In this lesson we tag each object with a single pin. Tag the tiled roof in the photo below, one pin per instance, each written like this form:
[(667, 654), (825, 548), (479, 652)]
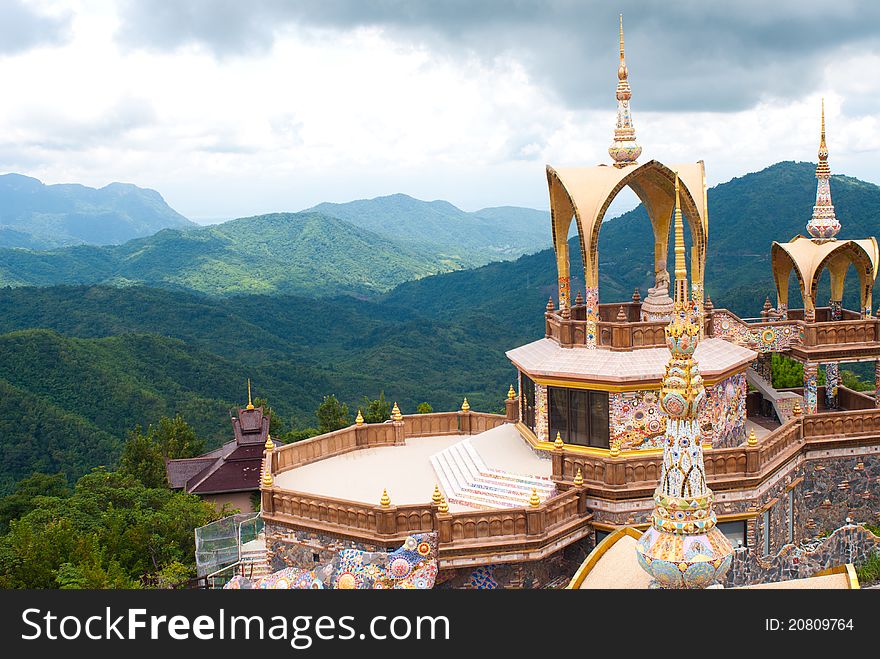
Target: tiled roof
[(547, 358), (233, 467)]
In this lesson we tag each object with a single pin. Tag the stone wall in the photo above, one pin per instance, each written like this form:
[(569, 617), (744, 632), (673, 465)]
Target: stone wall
[(555, 571), (305, 549), (849, 544), (839, 484)]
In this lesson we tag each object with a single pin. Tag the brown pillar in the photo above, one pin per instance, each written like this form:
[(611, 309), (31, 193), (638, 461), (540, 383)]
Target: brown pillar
[(399, 432), (511, 407), (877, 383), (267, 502), (386, 518), (535, 520)]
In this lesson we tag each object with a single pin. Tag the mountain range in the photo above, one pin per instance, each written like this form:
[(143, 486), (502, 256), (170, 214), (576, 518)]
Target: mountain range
[(38, 216), (83, 364)]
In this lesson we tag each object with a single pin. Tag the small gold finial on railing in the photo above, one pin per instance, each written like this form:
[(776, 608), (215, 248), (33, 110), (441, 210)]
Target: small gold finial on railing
[(359, 419), (579, 478), (395, 413), (443, 507), (534, 499), (437, 497), (270, 445), (385, 500), (511, 393), (250, 404), (558, 443), (465, 406), (615, 448), (797, 410), (267, 478), (550, 305), (752, 439)]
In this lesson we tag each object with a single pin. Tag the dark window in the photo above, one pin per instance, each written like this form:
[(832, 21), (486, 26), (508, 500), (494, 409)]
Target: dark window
[(580, 416), (527, 400), (735, 532), (601, 535)]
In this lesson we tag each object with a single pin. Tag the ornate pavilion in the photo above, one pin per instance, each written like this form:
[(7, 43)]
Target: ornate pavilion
[(763, 485)]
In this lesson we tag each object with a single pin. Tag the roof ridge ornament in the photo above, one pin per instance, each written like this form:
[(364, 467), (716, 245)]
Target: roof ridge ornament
[(823, 225), (250, 404), (624, 150)]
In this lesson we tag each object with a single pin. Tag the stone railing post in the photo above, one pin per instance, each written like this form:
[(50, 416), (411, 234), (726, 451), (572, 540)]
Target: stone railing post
[(464, 418), (399, 426), (267, 501), (511, 406), (535, 520)]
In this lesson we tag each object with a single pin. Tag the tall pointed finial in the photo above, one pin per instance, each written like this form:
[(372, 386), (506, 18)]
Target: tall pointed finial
[(823, 225), (681, 285), (624, 150), (250, 404)]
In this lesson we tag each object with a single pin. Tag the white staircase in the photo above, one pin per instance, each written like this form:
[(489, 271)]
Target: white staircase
[(254, 561), (467, 481)]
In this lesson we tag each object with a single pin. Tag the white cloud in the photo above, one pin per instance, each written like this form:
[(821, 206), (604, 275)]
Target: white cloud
[(339, 114)]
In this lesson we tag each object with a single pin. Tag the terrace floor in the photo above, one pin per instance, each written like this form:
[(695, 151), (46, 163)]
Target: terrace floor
[(406, 471)]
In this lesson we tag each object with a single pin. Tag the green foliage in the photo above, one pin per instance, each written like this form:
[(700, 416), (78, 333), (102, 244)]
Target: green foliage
[(110, 532), (26, 494), (305, 253), (175, 438), (332, 415), (142, 459), (869, 571), (787, 373), (854, 381), (376, 410), (424, 408)]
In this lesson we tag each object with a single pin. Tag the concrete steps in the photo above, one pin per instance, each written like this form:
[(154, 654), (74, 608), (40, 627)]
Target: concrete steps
[(468, 481)]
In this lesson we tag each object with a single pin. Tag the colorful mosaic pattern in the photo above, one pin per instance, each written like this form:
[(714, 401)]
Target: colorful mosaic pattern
[(761, 337), (810, 377), (412, 566), (832, 382), (482, 579), (564, 293), (591, 301), (683, 547), (638, 422)]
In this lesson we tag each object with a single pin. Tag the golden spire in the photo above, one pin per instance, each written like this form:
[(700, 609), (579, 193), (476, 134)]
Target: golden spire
[(823, 224), (615, 448), (511, 394), (437, 497), (465, 406), (270, 445), (624, 150), (680, 262), (579, 478), (559, 443), (385, 500), (359, 419), (534, 499), (266, 481), (752, 439), (250, 404), (395, 413), (443, 507)]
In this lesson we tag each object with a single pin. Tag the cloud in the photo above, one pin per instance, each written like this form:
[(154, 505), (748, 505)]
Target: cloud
[(689, 54), (23, 28)]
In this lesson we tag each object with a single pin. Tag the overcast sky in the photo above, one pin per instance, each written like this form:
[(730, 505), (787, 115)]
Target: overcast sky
[(231, 108)]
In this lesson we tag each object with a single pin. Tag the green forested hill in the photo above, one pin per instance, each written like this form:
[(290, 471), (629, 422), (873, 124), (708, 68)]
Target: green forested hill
[(41, 216), (303, 253), (480, 237), (108, 358)]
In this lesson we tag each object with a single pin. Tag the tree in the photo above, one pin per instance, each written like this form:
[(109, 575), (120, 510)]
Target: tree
[(332, 415), (276, 423), (24, 498), (424, 408), (175, 438), (377, 410), (142, 459)]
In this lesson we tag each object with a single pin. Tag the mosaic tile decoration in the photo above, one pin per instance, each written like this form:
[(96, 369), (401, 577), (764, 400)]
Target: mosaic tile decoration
[(591, 300), (760, 337), (412, 566), (638, 422)]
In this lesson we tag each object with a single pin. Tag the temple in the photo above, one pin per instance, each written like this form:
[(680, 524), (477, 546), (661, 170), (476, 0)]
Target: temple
[(229, 474), (644, 442)]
